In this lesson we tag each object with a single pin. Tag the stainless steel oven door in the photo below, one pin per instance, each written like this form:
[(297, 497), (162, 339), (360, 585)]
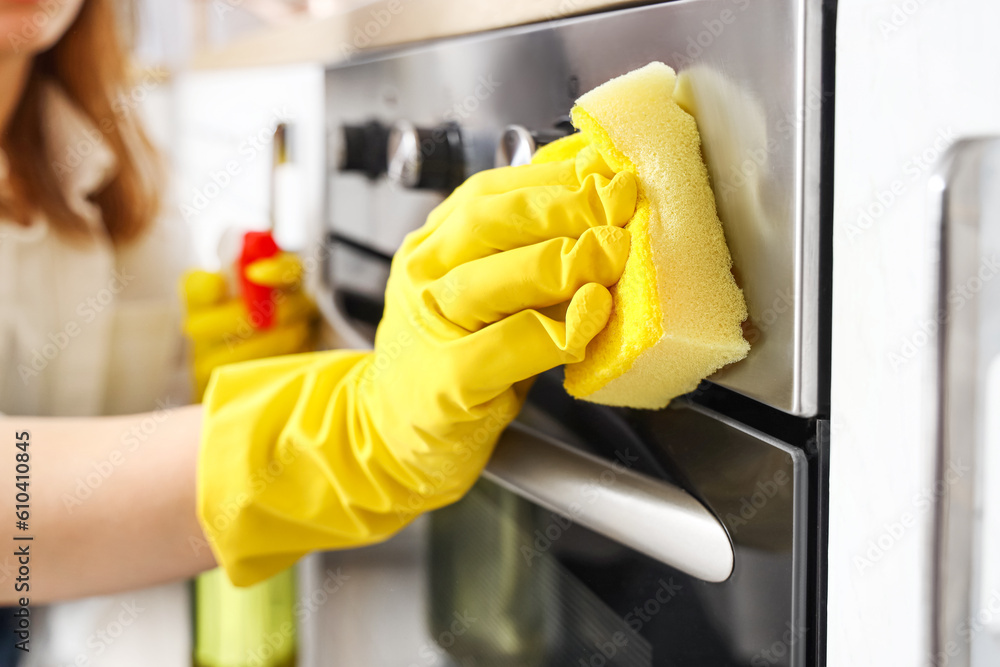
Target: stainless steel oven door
[(753, 70), (549, 591), (499, 579)]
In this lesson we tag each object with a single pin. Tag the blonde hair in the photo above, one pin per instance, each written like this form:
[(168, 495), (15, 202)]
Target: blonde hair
[(90, 65)]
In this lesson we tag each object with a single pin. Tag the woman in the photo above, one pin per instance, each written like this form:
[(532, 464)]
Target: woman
[(288, 455)]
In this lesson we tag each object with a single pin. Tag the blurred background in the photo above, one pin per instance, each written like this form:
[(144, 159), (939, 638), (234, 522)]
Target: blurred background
[(207, 109)]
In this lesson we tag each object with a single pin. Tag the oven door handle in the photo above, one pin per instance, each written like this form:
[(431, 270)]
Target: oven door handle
[(649, 515)]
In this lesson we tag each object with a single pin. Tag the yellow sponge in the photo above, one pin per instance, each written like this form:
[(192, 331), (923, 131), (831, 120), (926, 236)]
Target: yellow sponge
[(677, 310)]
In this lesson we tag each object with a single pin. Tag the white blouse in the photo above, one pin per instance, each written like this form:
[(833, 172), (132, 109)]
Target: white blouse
[(86, 329)]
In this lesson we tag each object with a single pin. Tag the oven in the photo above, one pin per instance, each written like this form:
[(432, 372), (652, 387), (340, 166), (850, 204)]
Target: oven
[(692, 535)]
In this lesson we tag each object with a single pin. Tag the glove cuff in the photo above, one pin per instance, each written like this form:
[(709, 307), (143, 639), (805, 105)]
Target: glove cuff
[(259, 473)]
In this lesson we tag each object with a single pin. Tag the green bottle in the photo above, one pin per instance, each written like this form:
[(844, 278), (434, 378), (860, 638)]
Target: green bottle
[(245, 627)]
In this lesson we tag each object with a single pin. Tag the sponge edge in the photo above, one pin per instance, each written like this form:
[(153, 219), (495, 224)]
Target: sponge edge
[(677, 309)]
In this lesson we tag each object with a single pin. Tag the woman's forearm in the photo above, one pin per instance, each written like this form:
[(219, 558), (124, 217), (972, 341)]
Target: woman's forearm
[(112, 503)]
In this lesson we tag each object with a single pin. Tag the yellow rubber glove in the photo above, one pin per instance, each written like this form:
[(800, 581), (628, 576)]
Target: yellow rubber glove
[(220, 328), (341, 449)]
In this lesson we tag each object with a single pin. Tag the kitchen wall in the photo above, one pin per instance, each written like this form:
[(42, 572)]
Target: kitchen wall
[(912, 77), (224, 121)]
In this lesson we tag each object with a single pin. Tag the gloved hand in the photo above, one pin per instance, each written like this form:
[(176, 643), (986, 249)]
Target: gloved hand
[(341, 449), (221, 329)]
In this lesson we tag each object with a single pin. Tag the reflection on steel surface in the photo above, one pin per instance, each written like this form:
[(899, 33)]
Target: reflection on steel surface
[(754, 86)]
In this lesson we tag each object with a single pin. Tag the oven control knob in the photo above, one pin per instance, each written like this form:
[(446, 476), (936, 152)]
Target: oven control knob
[(517, 144), (362, 148), (428, 159)]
